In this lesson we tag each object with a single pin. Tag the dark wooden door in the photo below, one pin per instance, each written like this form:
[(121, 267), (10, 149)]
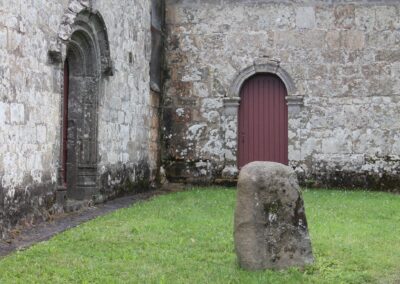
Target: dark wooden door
[(263, 121), (65, 124)]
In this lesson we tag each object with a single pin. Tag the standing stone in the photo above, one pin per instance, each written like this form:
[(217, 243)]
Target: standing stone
[(270, 222)]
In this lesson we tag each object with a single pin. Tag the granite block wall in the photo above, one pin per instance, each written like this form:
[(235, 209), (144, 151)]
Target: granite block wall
[(340, 60), (34, 37)]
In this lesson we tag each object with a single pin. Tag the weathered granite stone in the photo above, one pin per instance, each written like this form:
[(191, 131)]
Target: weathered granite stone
[(122, 111), (342, 57), (270, 222)]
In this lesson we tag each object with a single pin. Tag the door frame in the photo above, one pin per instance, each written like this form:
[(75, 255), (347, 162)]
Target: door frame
[(85, 52), (231, 108)]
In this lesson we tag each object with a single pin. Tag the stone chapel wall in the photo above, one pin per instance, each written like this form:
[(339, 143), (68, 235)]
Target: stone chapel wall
[(32, 53), (343, 58)]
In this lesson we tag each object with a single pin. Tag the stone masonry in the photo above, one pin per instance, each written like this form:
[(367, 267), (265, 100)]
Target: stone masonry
[(34, 36), (339, 60)]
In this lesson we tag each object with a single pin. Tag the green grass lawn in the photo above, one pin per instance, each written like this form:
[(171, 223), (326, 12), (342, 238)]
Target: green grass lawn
[(187, 238)]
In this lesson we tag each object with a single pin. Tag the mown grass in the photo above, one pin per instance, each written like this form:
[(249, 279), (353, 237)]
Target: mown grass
[(187, 238)]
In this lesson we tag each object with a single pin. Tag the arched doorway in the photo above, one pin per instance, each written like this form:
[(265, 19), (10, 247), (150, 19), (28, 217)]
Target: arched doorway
[(84, 68), (263, 120)]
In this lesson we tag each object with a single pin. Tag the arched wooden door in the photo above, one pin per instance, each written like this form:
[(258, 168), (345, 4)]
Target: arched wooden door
[(263, 121)]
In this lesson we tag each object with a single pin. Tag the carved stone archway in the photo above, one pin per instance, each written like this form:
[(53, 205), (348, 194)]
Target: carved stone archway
[(86, 63), (232, 103)]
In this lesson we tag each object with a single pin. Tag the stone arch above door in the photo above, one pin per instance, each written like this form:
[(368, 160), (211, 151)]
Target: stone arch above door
[(272, 67), (232, 102), (80, 15), (92, 24)]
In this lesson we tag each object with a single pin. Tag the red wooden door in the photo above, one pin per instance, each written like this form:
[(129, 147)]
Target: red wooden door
[(263, 121), (65, 123)]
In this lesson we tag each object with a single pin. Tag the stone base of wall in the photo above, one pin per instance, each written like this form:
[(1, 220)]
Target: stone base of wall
[(376, 174), (25, 206), (123, 179), (33, 204), (203, 172), (353, 180)]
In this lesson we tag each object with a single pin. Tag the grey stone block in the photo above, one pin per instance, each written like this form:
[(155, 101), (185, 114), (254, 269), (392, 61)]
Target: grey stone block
[(270, 222)]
